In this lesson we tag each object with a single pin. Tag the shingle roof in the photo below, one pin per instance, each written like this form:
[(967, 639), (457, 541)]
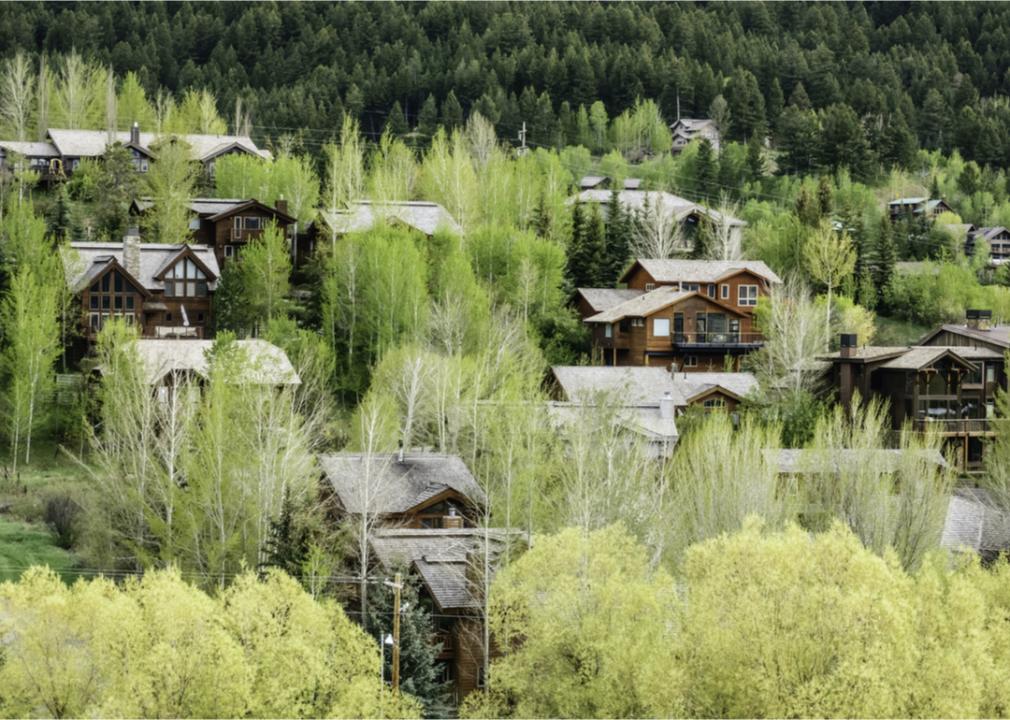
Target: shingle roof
[(974, 522), (998, 335), (670, 271), (692, 124), (399, 486), (30, 149), (631, 386), (647, 420), (427, 217), (441, 557), (793, 461), (690, 385), (267, 363), (601, 299), (642, 305), (591, 181), (908, 201), (92, 143), (84, 260)]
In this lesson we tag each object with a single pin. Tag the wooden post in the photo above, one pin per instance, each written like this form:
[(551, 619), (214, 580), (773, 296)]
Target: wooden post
[(396, 632)]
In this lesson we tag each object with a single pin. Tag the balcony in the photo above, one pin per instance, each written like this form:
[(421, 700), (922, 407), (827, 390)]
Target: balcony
[(954, 426), (718, 340)]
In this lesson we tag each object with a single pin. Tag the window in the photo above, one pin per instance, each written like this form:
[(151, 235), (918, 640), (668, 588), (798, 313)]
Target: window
[(112, 296), (661, 327), (690, 361), (649, 287), (747, 295), (185, 279), (608, 330), (168, 317), (637, 322), (712, 403), (724, 291), (711, 290), (229, 251), (248, 222), (689, 287)]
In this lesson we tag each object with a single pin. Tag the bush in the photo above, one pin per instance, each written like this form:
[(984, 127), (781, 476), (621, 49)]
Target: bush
[(62, 514)]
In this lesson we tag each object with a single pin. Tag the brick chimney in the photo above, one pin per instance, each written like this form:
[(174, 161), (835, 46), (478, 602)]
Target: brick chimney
[(135, 133), (131, 251), (978, 319), (452, 521), (848, 345)]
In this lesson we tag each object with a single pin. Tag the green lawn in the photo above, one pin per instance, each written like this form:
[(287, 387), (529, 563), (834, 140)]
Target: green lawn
[(23, 545)]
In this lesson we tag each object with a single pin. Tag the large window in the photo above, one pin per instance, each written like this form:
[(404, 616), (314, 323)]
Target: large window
[(111, 296), (747, 295), (185, 279), (248, 222)]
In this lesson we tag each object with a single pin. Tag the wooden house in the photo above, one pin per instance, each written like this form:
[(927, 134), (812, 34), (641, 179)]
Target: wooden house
[(227, 225), (911, 207), (996, 238), (685, 130), (167, 290), (418, 490), (449, 564), (167, 363), (947, 383)]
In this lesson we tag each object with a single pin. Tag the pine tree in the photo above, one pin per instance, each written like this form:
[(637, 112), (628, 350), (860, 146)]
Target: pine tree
[(799, 99), (427, 119), (886, 257), (618, 239), (452, 112), (586, 254), (396, 123), (825, 201), (287, 544), (707, 169), (755, 158)]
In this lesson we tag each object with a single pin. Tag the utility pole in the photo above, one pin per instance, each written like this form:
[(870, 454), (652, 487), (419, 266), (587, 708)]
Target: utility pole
[(522, 140), (397, 586)]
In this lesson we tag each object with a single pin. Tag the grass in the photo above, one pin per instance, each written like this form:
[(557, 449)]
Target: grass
[(892, 331), (25, 544)]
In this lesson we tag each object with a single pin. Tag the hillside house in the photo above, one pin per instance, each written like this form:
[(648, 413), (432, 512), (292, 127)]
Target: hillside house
[(996, 238), (167, 290), (687, 216), (419, 490), (227, 225), (63, 149), (696, 315), (421, 215), (975, 523), (946, 383), (40, 157), (449, 564), (685, 130), (910, 207)]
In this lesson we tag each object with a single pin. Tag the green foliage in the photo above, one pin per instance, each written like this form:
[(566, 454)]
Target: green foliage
[(258, 287), (170, 183), (157, 647)]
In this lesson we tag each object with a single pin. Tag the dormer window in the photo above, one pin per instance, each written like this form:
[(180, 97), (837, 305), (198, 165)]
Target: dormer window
[(185, 279)]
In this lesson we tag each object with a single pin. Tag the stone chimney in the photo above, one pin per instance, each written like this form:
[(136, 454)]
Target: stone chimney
[(848, 345), (135, 133), (452, 521), (131, 252), (281, 205), (666, 406), (978, 319)]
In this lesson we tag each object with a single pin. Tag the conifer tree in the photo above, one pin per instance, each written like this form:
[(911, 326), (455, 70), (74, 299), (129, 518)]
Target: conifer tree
[(427, 119), (706, 169), (586, 253), (886, 257), (618, 239), (396, 123)]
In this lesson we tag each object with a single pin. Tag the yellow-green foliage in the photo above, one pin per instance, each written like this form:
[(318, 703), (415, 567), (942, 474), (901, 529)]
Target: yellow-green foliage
[(159, 647)]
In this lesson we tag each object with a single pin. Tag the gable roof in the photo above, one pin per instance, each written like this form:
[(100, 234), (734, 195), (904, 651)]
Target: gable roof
[(636, 386), (267, 363), (670, 271), (652, 302), (29, 149), (83, 258), (646, 420), (404, 485), (591, 181), (691, 124), (250, 204), (184, 251), (215, 208), (93, 143), (917, 358), (692, 385), (441, 557), (426, 217), (600, 299), (998, 335)]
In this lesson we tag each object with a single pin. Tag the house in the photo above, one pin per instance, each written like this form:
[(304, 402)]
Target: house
[(449, 563), (64, 149), (917, 207), (646, 387), (40, 157), (947, 383), (669, 209), (167, 363), (167, 290), (684, 130), (417, 490), (227, 225), (737, 283), (594, 182), (996, 238), (425, 217)]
